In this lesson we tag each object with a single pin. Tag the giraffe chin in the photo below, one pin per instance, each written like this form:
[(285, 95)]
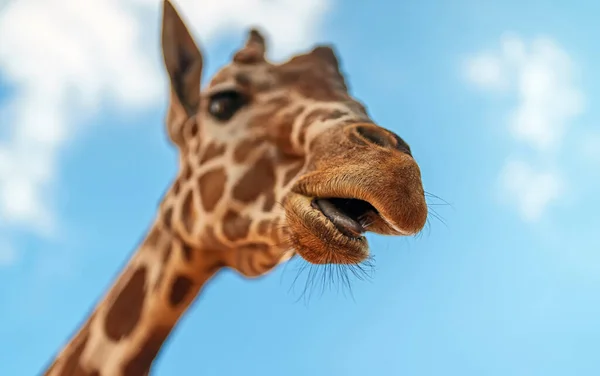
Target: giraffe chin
[(318, 237)]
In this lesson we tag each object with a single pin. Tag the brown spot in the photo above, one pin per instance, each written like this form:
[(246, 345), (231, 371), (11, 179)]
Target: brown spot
[(193, 128), (285, 127), (258, 179), (212, 185), (243, 150), (186, 174), (190, 128), (235, 227), (168, 217), (263, 227), (180, 289), (213, 150), (188, 211), (167, 254), (292, 173), (286, 124), (176, 187), (141, 362), (269, 201), (302, 136), (187, 252), (165, 260), (126, 310)]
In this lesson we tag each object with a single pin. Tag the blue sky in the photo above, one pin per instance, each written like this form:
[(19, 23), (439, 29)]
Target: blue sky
[(496, 100)]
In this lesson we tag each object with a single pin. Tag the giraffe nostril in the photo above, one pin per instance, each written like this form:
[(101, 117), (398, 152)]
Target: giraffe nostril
[(375, 136), (383, 138)]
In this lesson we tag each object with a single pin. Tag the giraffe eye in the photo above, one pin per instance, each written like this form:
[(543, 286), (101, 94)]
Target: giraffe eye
[(222, 106)]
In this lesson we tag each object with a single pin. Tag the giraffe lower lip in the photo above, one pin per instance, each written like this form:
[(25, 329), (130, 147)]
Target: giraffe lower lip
[(345, 224)]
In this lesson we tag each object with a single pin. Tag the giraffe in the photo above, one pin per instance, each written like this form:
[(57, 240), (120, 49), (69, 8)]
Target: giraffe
[(275, 160)]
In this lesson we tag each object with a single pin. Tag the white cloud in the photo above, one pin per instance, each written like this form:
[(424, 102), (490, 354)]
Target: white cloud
[(486, 71), (544, 80), (531, 190), (291, 24), (66, 57)]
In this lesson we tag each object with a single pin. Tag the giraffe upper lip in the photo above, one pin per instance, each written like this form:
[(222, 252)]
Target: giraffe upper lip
[(397, 212)]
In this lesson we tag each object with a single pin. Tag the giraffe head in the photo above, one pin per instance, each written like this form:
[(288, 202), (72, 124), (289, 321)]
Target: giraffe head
[(280, 158)]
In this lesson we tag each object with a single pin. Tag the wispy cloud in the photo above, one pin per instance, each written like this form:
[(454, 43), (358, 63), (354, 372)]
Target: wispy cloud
[(544, 80), (487, 71), (532, 189), (68, 58)]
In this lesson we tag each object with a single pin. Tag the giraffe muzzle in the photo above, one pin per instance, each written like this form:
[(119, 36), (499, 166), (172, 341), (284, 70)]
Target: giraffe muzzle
[(359, 178)]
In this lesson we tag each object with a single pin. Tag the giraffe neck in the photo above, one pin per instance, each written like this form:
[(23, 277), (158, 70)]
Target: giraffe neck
[(127, 328)]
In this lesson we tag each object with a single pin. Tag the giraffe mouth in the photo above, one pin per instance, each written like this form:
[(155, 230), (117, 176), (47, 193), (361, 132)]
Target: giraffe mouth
[(351, 217)]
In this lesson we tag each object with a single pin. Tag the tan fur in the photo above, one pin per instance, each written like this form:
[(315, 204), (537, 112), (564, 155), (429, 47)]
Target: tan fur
[(242, 197)]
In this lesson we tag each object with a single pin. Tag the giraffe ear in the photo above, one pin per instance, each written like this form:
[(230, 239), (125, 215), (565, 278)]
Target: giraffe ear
[(326, 55), (183, 61), (253, 51)]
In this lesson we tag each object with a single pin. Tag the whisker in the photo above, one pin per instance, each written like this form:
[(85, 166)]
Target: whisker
[(429, 194), (438, 217), (318, 279)]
